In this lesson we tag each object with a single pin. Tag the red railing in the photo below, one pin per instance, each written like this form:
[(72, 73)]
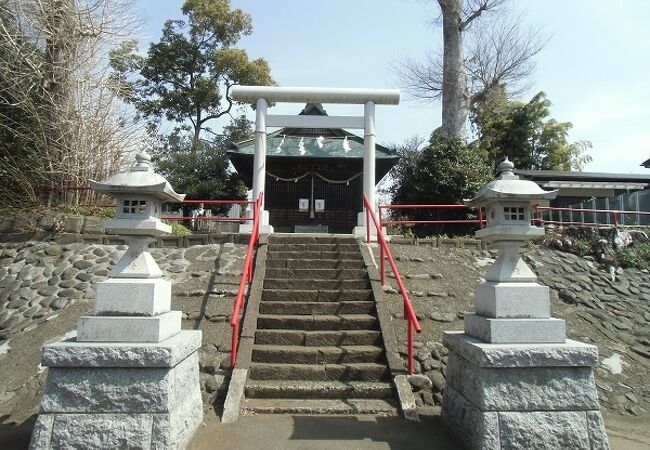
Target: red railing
[(384, 252), (246, 279), (614, 214), (480, 221)]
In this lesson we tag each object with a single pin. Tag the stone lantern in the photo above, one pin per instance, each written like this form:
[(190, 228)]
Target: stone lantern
[(139, 194), (513, 379), (510, 290), (130, 378)]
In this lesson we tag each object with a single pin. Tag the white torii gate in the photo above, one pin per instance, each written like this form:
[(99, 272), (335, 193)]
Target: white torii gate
[(262, 95)]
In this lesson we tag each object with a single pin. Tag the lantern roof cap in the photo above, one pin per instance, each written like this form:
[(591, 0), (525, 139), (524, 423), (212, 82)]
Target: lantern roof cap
[(507, 185), (139, 179)]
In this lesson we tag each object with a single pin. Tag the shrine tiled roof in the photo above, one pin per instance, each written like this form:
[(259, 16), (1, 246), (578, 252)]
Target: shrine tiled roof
[(278, 144)]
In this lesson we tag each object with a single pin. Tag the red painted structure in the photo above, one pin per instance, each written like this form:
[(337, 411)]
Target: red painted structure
[(412, 323), (246, 279)]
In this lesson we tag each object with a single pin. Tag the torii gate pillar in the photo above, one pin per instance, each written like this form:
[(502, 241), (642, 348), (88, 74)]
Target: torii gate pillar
[(261, 95)]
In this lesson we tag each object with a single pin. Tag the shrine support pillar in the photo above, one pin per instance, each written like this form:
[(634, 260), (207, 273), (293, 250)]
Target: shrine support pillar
[(369, 137), (259, 167)]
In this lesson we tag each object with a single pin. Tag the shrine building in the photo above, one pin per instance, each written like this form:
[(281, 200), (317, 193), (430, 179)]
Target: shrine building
[(314, 176)]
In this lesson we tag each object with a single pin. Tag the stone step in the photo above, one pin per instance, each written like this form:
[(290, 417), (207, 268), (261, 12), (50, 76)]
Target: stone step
[(313, 295), (329, 247), (310, 254), (322, 274), (319, 372), (302, 239), (320, 263), (296, 389), (321, 322), (318, 338), (310, 308), (291, 354), (302, 406), (302, 284)]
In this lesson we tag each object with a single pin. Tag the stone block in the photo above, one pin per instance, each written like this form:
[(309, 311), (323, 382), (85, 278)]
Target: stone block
[(139, 297), (93, 225), (51, 221), (512, 300), (523, 389), (167, 353), (119, 390), (235, 395), (128, 329), (92, 238), (476, 429), (118, 407), (499, 331), (596, 430), (73, 224), (196, 239), (67, 238), (6, 224), (568, 354), (76, 431), (544, 429), (406, 398), (170, 241), (42, 432), (175, 430)]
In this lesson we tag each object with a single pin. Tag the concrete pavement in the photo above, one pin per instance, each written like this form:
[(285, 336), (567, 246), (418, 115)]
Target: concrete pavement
[(271, 432)]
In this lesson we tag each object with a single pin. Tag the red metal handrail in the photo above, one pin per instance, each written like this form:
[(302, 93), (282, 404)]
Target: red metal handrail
[(246, 279), (384, 251), (613, 213), (480, 221)]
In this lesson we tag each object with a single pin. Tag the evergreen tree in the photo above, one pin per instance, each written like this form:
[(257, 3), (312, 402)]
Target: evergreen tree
[(526, 134)]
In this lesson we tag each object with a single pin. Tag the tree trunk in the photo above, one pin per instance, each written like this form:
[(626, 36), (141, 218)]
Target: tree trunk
[(455, 101), (57, 96)]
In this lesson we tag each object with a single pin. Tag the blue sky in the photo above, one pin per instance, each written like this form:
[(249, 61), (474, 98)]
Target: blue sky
[(595, 68)]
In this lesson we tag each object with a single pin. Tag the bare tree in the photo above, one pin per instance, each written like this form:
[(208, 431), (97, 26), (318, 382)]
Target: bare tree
[(495, 52), (55, 76)]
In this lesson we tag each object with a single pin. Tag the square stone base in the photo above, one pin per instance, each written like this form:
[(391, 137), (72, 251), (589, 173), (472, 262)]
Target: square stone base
[(512, 300), (116, 297), (129, 328), (502, 396), (139, 396), (518, 331)]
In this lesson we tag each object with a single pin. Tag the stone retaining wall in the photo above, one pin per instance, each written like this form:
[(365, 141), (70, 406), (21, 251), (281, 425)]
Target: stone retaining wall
[(70, 229), (610, 311)]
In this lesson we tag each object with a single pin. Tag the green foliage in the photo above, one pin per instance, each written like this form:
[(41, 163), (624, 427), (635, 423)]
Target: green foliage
[(446, 171), (185, 77), (636, 256), (200, 169), (180, 230), (525, 133), (106, 213), (582, 247)]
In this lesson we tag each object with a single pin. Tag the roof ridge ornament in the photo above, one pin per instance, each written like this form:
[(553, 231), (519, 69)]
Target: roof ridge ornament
[(301, 147), (142, 162), (505, 170)]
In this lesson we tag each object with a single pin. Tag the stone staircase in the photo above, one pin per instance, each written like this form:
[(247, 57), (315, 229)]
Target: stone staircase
[(318, 348)]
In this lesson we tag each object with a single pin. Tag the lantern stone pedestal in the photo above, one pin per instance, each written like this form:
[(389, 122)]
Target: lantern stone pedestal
[(513, 379), (120, 395), (130, 379)]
